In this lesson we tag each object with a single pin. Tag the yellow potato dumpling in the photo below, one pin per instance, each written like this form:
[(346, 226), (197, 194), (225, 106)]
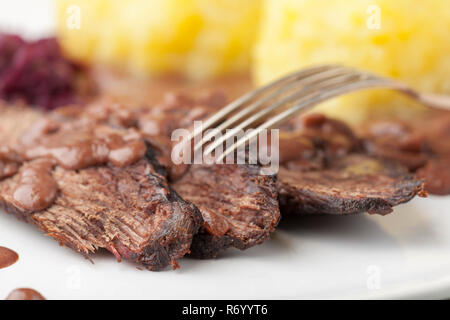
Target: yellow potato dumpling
[(404, 39), (197, 38)]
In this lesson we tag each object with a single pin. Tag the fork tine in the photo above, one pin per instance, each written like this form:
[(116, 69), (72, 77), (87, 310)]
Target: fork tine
[(296, 81), (303, 93), (223, 113), (322, 95)]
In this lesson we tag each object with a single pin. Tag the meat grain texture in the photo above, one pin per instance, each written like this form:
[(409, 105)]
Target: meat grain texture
[(238, 204)]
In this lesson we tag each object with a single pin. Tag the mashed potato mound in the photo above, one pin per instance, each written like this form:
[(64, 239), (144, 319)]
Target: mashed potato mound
[(404, 39), (202, 39), (198, 38)]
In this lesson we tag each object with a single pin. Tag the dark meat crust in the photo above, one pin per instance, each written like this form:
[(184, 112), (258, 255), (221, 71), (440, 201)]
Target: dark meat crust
[(239, 206), (208, 246), (353, 184)]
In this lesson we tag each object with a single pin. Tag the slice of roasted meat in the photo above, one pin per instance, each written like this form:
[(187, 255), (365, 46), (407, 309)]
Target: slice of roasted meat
[(325, 171), (422, 145), (127, 208), (130, 211), (238, 204), (350, 184), (117, 198), (436, 174), (13, 122)]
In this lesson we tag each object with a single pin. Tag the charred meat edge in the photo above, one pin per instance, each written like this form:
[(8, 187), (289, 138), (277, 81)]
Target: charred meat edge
[(239, 206)]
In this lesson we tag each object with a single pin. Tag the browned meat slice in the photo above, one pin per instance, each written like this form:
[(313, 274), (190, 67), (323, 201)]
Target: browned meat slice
[(326, 172), (14, 121), (352, 184), (130, 211), (396, 141), (436, 174), (311, 143), (239, 206), (127, 208), (423, 145)]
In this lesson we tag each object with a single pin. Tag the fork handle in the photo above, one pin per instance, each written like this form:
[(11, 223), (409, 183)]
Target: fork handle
[(431, 100), (436, 101)]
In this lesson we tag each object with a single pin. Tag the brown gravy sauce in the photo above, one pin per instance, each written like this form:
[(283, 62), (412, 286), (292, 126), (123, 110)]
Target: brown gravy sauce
[(73, 145), (24, 294), (9, 162), (7, 257), (82, 144), (293, 146), (36, 189), (302, 137)]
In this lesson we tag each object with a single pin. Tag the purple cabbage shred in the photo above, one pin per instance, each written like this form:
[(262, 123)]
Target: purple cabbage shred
[(36, 72)]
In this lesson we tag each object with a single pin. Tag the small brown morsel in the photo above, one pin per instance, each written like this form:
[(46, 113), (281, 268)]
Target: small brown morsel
[(24, 294), (7, 257), (36, 189)]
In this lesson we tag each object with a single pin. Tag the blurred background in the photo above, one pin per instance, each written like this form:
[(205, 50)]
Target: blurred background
[(33, 19), (251, 42)]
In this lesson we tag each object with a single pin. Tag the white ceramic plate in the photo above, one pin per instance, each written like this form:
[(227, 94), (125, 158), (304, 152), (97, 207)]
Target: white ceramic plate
[(402, 255)]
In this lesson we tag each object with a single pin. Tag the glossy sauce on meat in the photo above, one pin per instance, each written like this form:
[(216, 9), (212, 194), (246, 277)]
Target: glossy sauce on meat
[(36, 189), (73, 141), (7, 257), (81, 144), (9, 162), (25, 294)]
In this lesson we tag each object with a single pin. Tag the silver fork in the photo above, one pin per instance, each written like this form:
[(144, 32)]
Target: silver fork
[(300, 91)]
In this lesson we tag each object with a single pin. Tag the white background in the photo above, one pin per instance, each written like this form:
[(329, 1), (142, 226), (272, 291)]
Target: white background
[(32, 18)]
